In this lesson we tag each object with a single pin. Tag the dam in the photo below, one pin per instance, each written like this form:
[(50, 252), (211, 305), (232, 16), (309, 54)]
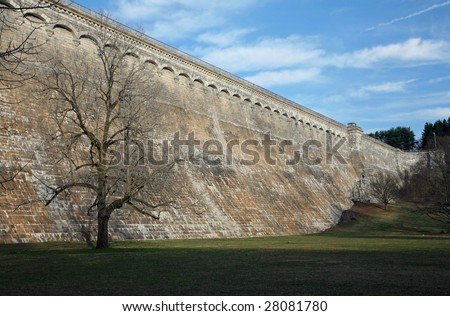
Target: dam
[(278, 168)]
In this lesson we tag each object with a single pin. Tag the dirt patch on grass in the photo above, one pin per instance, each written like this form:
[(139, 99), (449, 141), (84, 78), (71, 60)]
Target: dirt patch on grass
[(362, 211), (358, 212)]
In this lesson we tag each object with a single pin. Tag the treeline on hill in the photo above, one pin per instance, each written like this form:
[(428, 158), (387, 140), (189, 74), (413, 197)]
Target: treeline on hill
[(428, 183)]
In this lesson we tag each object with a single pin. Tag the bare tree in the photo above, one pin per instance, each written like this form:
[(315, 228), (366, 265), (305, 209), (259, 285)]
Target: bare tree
[(103, 108), (384, 187), (439, 170), (429, 183)]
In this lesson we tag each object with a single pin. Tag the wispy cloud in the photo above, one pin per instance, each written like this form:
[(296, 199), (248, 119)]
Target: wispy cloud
[(439, 79), (387, 87), (412, 51), (224, 39), (423, 114), (410, 16), (284, 77), (436, 99), (295, 52), (264, 55), (178, 19), (340, 11)]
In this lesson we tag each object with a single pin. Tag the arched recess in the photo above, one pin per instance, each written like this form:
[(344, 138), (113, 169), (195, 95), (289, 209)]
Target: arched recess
[(131, 54), (168, 71), (34, 18), (285, 115), (151, 65), (276, 111), (168, 68), (184, 78), (87, 37), (184, 75), (225, 92), (89, 43), (294, 118), (64, 28), (213, 87), (111, 46), (199, 83), (258, 104), (267, 108), (237, 96), (63, 35), (130, 59)]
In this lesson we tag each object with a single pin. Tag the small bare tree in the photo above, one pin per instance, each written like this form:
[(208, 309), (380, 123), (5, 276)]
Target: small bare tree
[(102, 106), (384, 187)]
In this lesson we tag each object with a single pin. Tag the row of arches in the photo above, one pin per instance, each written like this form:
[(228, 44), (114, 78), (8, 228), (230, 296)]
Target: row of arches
[(190, 76)]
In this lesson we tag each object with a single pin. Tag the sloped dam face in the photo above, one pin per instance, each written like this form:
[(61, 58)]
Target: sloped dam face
[(251, 163)]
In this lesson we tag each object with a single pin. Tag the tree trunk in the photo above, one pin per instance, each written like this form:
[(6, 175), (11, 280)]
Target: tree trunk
[(102, 235)]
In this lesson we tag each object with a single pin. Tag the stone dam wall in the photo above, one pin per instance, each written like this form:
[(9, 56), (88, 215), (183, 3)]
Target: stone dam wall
[(239, 200)]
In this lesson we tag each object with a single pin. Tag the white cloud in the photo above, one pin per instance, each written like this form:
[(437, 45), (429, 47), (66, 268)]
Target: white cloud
[(437, 99), (387, 87), (223, 39), (265, 55), (423, 114), (291, 60), (148, 9), (412, 51), (205, 21), (439, 79), (431, 8), (278, 61), (180, 24), (283, 77), (296, 52), (178, 18), (340, 11)]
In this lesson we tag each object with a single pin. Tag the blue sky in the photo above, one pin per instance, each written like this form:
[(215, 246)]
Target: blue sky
[(381, 64)]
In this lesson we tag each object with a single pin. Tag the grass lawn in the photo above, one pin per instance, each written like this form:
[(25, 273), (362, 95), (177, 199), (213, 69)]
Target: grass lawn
[(394, 252)]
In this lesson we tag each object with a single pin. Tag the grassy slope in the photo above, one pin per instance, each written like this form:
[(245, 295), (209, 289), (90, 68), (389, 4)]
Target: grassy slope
[(394, 252)]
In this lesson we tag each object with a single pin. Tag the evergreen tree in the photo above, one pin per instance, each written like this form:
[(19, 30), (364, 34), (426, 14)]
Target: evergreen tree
[(440, 128), (398, 137)]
